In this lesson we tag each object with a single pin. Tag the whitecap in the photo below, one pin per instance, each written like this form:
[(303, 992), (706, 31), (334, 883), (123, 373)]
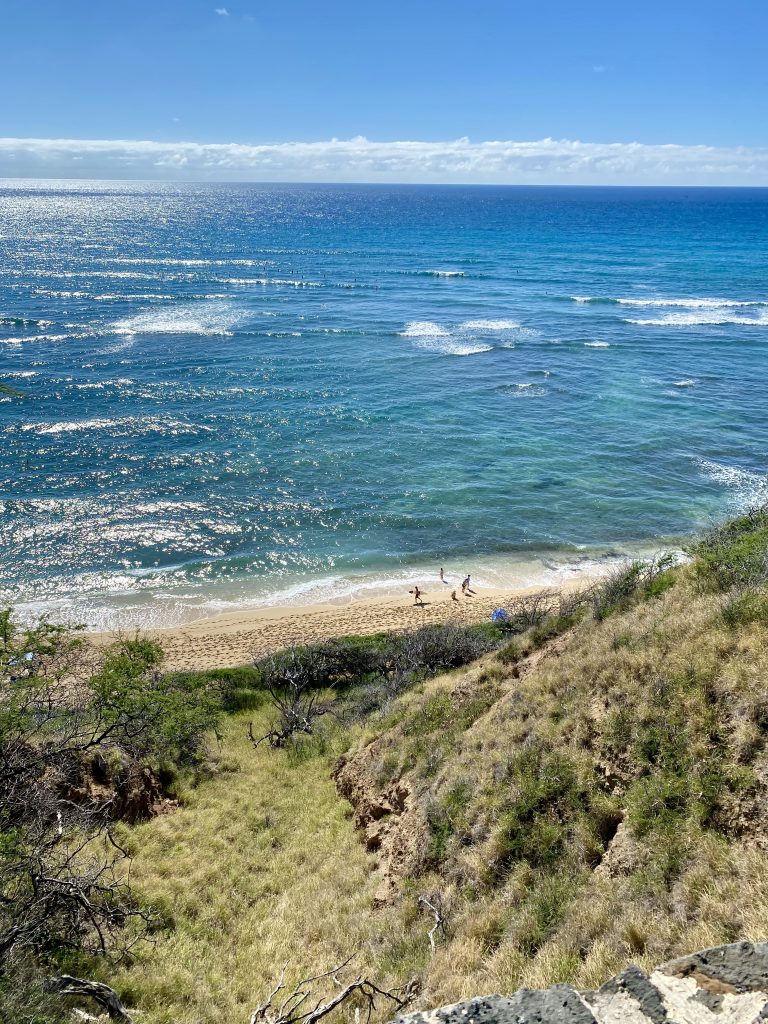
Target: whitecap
[(703, 303), (123, 425), (424, 329), (213, 318), (442, 273), (490, 325), (597, 344), (749, 488), (270, 280), (454, 347), (688, 382), (703, 318), (39, 337)]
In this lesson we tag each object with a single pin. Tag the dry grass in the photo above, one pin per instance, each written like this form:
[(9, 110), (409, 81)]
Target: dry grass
[(262, 867), (657, 715)]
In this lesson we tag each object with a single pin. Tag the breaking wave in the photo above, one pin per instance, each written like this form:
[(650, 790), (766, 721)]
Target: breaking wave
[(213, 318), (710, 316), (748, 488), (684, 303)]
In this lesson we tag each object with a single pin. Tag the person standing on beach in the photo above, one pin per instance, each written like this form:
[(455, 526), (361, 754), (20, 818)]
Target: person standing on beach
[(442, 577), (465, 585)]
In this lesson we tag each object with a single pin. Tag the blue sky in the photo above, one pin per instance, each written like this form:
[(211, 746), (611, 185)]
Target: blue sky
[(249, 72)]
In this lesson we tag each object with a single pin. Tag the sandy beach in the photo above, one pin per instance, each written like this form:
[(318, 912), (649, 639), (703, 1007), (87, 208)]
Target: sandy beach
[(236, 638)]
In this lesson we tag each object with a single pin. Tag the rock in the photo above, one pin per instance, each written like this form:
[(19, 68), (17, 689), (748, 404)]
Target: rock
[(723, 985)]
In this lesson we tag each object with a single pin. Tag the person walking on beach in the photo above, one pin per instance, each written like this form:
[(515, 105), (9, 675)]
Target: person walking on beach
[(442, 576), (465, 585), (418, 596)]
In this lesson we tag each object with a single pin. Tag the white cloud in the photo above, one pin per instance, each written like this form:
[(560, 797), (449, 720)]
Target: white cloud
[(222, 11), (360, 159), (599, 68)]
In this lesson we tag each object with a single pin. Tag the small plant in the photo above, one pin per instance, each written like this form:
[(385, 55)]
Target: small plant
[(746, 607), (734, 554)]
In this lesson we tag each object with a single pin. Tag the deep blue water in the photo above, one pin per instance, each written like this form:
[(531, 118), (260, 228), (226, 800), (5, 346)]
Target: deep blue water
[(238, 393)]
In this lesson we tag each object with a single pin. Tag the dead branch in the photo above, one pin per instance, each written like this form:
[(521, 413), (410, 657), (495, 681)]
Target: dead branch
[(105, 996), (434, 905), (290, 1011)]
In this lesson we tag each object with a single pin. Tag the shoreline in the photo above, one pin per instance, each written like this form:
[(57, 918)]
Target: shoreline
[(238, 637)]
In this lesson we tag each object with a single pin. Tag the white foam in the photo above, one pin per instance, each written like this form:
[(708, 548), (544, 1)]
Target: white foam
[(703, 318), (124, 424), (597, 344), (39, 337), (459, 340), (424, 329), (212, 318), (688, 382), (443, 273), (140, 297), (748, 488), (705, 303), (453, 346), (490, 325)]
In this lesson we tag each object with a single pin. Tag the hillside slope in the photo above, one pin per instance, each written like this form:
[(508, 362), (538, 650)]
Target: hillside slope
[(589, 795)]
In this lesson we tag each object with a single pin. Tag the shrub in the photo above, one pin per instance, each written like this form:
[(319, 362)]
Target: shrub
[(734, 554), (63, 889), (546, 796), (746, 607), (440, 647), (627, 583), (443, 818)]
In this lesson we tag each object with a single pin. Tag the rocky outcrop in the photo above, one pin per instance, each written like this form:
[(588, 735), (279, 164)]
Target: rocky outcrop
[(724, 985), (110, 779), (394, 828)]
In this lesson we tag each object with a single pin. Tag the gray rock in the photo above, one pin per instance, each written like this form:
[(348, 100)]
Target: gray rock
[(723, 985)]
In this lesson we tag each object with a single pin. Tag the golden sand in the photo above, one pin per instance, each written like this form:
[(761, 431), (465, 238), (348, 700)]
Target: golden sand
[(236, 638)]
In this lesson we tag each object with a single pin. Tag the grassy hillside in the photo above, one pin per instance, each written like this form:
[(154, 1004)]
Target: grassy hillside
[(591, 793)]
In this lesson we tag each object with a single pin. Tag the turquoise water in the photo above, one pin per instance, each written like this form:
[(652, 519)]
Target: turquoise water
[(241, 393)]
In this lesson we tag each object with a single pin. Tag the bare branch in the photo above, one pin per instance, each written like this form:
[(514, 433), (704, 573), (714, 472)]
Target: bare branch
[(288, 1011), (434, 905), (105, 996)]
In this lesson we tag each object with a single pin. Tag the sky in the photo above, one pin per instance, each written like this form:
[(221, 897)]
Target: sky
[(597, 91)]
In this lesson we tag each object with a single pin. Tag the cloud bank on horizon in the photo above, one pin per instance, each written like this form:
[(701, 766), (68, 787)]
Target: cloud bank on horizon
[(546, 161)]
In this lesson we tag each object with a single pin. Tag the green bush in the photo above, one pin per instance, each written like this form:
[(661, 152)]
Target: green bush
[(547, 796), (734, 554), (628, 583), (444, 818), (745, 608)]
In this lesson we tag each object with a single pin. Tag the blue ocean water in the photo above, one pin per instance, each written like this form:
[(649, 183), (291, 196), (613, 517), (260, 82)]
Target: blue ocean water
[(239, 394)]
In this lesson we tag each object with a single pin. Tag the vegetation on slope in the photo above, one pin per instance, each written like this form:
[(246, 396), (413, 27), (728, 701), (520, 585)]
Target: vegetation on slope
[(590, 791)]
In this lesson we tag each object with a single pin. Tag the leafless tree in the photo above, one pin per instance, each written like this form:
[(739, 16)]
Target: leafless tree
[(299, 1006), (433, 904), (293, 682), (530, 610)]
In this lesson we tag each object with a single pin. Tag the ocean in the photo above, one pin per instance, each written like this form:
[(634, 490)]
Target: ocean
[(239, 395)]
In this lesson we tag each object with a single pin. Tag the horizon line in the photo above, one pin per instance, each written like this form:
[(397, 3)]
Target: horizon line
[(358, 160)]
